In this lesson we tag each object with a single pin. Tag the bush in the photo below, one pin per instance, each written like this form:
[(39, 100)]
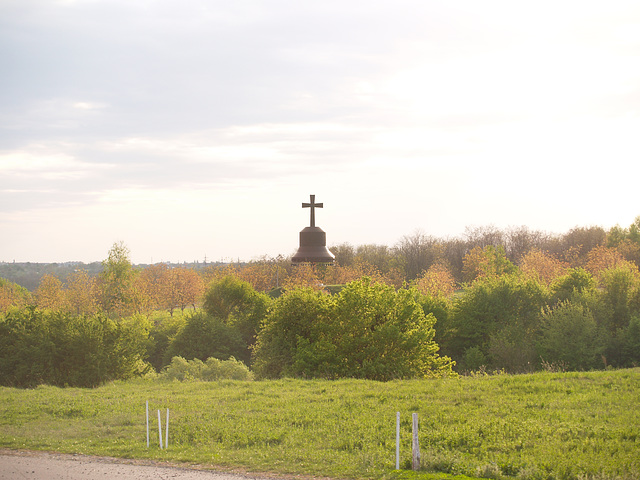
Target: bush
[(366, 331), (211, 370), (39, 346), (203, 336), (496, 315), (237, 304), (165, 329), (290, 320), (570, 337)]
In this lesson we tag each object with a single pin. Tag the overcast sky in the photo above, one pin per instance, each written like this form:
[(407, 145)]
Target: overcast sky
[(193, 128)]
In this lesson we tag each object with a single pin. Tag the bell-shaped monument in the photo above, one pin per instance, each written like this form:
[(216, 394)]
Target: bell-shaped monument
[(313, 240)]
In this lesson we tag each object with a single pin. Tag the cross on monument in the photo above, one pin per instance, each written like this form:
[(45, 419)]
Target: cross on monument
[(313, 205)]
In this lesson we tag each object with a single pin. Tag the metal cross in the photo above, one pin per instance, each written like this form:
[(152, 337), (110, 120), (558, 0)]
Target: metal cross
[(313, 205)]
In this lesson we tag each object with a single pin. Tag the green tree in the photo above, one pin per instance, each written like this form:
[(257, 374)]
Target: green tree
[(486, 262), (119, 295), (204, 336), (620, 287), (493, 311), (289, 321), (162, 334), (238, 305), (12, 295), (369, 330), (569, 337), (630, 354), (576, 284)]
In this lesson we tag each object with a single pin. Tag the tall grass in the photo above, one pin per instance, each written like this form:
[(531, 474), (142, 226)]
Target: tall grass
[(539, 426)]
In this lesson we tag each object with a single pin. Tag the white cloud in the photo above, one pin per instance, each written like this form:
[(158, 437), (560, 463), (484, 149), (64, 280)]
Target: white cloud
[(50, 166), (125, 116)]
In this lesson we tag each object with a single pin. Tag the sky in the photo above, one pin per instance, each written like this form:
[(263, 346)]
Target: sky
[(195, 129)]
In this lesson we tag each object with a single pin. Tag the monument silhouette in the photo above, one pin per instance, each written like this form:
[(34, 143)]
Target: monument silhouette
[(313, 240)]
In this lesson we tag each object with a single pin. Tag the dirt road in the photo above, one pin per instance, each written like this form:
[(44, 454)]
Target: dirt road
[(29, 465)]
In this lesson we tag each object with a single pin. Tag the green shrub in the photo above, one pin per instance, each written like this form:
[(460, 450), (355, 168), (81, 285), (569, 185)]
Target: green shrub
[(44, 347), (369, 330), (570, 337), (211, 370), (203, 336)]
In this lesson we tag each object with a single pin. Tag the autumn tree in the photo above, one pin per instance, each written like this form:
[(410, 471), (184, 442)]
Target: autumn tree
[(486, 262), (50, 293), (153, 285), (186, 287), (603, 258), (303, 276), (436, 282), (265, 274), (630, 251), (542, 267), (82, 293), (338, 274)]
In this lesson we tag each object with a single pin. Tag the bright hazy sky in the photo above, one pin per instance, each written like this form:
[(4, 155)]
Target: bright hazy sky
[(193, 128)]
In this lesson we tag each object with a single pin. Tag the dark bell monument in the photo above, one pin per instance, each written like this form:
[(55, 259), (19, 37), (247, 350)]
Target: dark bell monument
[(313, 240)]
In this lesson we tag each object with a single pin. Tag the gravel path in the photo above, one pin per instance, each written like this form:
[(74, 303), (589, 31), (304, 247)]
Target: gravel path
[(19, 464)]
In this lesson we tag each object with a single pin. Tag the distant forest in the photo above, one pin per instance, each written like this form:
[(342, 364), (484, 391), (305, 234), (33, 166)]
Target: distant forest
[(408, 258)]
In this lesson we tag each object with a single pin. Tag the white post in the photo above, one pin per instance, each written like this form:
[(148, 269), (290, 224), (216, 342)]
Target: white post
[(397, 440), (147, 423), (415, 458), (160, 429), (166, 438)]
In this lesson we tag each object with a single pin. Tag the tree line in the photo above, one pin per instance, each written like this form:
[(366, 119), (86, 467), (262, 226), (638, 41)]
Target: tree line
[(515, 301)]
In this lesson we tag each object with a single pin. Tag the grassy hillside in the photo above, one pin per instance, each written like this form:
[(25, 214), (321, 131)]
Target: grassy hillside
[(540, 426)]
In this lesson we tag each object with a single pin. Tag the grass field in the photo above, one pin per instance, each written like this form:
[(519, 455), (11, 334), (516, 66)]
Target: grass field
[(539, 426)]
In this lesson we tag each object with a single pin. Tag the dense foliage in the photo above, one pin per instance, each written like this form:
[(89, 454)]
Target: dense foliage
[(40, 346), (516, 301), (368, 330), (211, 370)]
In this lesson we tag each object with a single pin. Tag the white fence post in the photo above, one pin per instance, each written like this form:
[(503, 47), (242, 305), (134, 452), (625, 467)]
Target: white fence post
[(160, 429), (147, 423), (397, 440), (415, 450)]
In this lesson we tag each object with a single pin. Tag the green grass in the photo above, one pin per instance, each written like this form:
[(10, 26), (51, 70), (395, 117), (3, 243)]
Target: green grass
[(539, 426)]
